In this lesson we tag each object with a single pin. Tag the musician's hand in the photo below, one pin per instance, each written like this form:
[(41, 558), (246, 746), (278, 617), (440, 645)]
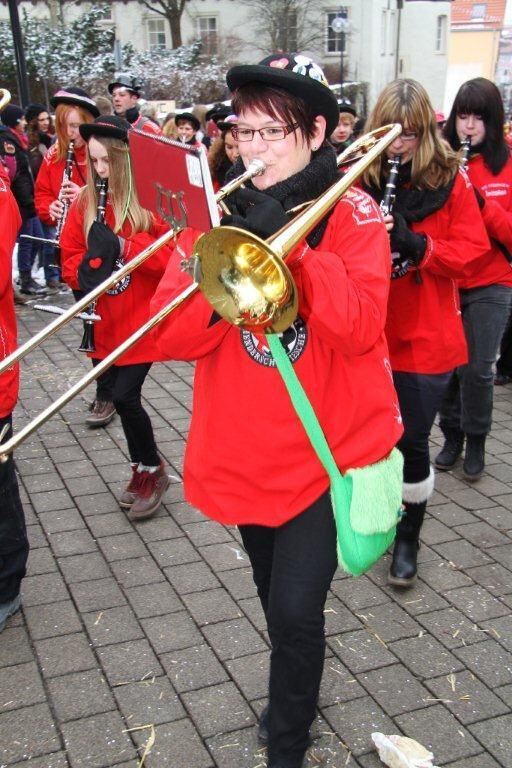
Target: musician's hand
[(103, 248), (256, 212), (406, 242), (389, 222), (56, 209), (69, 190)]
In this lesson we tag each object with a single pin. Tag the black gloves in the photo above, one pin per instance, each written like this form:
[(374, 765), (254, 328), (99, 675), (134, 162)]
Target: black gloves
[(256, 212), (408, 244), (479, 198), (103, 248)]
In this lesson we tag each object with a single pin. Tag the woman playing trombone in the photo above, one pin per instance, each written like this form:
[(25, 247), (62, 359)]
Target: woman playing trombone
[(90, 251), (436, 233), (248, 461)]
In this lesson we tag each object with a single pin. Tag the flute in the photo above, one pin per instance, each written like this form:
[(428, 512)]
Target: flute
[(87, 344), (386, 204)]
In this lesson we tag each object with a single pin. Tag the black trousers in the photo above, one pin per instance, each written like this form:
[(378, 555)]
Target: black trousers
[(104, 383), (293, 567), (127, 381), (13, 533)]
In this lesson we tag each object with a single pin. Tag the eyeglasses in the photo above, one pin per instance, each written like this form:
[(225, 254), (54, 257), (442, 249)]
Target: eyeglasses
[(272, 133)]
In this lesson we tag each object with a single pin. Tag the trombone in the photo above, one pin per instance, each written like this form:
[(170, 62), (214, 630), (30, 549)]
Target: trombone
[(244, 278), (5, 97)]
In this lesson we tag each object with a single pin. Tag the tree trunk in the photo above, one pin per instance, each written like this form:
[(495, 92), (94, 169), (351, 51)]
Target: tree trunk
[(174, 19)]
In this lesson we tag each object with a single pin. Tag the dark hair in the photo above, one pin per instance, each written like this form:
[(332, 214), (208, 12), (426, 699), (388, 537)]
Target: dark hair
[(481, 97), (277, 103)]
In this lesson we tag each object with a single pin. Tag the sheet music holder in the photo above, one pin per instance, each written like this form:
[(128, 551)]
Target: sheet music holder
[(173, 180)]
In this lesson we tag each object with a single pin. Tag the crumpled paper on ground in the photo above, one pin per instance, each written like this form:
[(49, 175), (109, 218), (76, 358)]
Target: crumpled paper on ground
[(401, 752)]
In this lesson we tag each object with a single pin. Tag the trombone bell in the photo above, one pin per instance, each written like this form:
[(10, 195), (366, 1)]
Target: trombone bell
[(244, 281)]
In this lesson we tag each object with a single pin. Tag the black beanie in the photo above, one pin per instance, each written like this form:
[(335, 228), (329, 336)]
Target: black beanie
[(11, 115), (34, 110)]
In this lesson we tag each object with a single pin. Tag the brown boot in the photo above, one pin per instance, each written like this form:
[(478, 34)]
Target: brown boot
[(130, 492), (102, 413), (152, 487)]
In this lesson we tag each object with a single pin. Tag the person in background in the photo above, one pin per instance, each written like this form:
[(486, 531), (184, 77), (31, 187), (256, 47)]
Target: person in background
[(14, 547), (437, 236), (486, 294), (125, 91), (440, 122), (73, 107), (14, 151), (169, 128), (187, 126), (223, 152), (342, 136), (39, 142), (104, 105), (212, 117)]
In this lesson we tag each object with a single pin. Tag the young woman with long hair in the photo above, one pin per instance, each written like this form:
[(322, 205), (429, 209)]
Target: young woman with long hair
[(248, 461), (436, 234), (91, 250), (486, 295), (223, 152)]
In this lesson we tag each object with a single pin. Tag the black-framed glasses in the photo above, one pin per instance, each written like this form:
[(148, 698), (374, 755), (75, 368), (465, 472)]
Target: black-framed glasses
[(272, 133)]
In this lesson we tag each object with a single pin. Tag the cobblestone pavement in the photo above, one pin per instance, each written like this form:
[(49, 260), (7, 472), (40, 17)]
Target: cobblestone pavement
[(153, 633)]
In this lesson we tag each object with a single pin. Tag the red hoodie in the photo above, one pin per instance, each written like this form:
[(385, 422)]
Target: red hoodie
[(497, 215), (49, 180), (424, 326), (10, 222), (248, 459), (123, 313)]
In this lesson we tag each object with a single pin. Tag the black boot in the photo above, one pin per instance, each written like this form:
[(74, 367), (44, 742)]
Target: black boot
[(451, 450), (29, 287), (404, 565), (474, 459)]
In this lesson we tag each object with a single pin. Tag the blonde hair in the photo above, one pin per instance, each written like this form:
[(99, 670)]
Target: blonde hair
[(406, 101), (61, 115), (347, 117), (169, 129), (122, 193)]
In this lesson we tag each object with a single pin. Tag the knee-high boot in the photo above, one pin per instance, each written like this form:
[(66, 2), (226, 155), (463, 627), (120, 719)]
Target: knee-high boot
[(404, 565)]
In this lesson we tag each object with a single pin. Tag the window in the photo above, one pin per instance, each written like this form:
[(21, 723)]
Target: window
[(206, 30), (156, 34), (478, 11), (336, 40), (441, 27)]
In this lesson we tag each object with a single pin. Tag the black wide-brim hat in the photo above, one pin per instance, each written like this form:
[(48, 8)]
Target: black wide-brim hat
[(220, 112), (106, 126), (189, 117), (75, 97), (296, 74)]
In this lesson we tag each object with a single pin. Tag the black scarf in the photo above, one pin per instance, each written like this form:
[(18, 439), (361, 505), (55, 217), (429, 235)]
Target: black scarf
[(305, 185), (413, 204)]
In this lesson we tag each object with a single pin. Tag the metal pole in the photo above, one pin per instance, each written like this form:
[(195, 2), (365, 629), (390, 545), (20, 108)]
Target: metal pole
[(21, 68), (342, 53)]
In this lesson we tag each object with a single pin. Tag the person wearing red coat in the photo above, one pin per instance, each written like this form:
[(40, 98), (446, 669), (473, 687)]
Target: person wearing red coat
[(13, 537), (486, 293), (91, 250), (125, 91), (248, 460), (437, 236)]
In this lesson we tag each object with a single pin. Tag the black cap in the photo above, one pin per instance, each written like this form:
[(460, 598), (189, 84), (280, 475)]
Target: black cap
[(34, 110), (298, 75), (75, 97), (125, 80), (108, 126), (11, 115), (345, 105), (218, 112), (189, 117)]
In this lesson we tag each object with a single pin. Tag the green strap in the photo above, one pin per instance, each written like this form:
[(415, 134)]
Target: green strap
[(303, 407)]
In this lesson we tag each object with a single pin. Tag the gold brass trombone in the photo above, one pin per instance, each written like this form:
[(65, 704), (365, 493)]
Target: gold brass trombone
[(5, 97), (243, 277)]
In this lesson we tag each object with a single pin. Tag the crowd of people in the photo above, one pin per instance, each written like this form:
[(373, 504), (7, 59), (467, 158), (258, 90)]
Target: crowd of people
[(402, 310)]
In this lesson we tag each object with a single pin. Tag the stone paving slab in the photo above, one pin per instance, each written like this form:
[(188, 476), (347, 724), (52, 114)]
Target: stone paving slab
[(133, 631)]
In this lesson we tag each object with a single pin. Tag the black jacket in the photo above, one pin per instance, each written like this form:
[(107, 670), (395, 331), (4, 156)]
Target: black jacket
[(22, 185)]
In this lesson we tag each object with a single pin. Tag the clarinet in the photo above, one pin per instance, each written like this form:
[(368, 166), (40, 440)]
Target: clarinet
[(66, 176), (87, 344), (386, 204), (465, 147)]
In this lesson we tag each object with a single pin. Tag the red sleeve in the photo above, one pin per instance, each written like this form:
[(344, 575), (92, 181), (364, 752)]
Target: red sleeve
[(73, 246), (498, 222), (465, 240), (44, 194), (155, 264), (189, 332), (343, 289), (10, 222)]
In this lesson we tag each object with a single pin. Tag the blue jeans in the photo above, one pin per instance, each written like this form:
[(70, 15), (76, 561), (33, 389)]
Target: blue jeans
[(469, 398), (13, 532), (293, 566), (47, 251), (27, 249)]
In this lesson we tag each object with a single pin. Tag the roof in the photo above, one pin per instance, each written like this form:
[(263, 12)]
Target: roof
[(470, 14)]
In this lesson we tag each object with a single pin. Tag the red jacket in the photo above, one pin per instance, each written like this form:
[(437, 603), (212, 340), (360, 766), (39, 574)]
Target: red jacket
[(497, 215), (123, 313), (49, 180), (248, 459), (10, 222), (148, 126), (424, 327)]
